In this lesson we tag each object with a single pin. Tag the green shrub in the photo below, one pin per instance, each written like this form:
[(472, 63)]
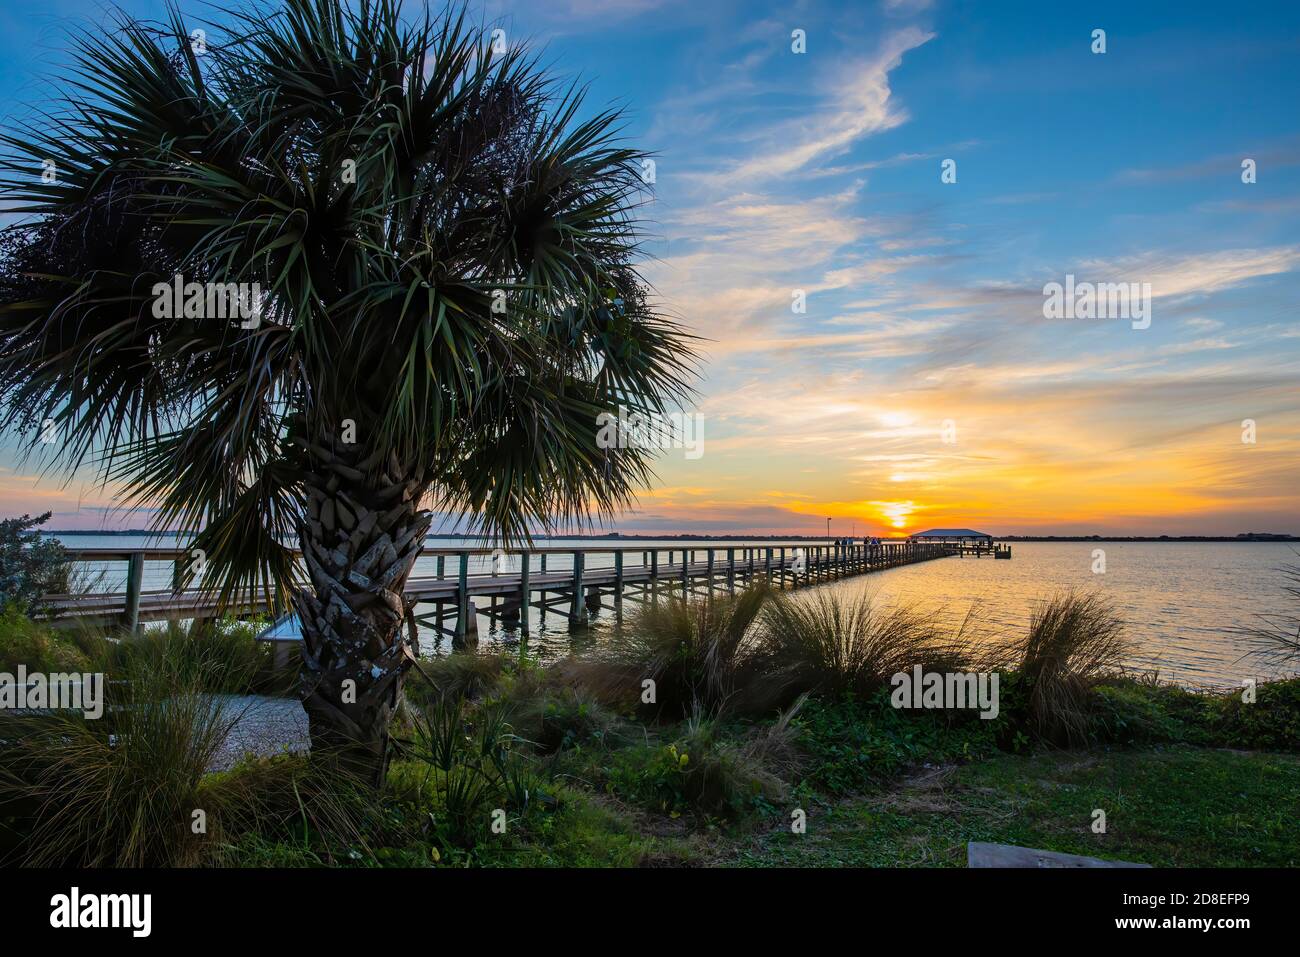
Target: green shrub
[(458, 675), (1137, 712), (471, 768), (708, 768), (120, 790), (39, 647), (30, 566), (1270, 723), (1132, 712), (853, 744), (285, 811), (553, 716)]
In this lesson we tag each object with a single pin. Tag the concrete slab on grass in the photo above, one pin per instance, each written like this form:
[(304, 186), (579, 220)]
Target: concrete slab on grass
[(980, 854)]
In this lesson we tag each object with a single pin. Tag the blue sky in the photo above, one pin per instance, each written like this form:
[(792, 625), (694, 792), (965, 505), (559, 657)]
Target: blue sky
[(778, 171)]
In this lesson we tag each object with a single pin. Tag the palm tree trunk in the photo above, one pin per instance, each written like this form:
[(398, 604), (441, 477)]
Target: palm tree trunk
[(363, 532)]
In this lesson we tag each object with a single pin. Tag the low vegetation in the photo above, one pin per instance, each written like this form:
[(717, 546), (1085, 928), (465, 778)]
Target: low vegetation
[(31, 566), (697, 656), (827, 645), (118, 791), (695, 735), (1072, 644), (38, 647), (215, 657)]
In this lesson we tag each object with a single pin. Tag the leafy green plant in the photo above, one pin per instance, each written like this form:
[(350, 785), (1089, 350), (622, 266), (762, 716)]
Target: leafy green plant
[(36, 645), (30, 566), (1271, 722), (1134, 712), (709, 768), (471, 767), (458, 675), (853, 744), (552, 714)]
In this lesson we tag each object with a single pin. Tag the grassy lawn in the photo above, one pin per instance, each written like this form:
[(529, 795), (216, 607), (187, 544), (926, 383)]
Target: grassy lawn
[(1183, 807)]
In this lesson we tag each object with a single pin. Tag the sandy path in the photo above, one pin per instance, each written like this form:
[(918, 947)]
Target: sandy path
[(263, 726)]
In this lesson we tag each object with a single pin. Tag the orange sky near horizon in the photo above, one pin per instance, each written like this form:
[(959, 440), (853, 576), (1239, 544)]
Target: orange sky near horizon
[(960, 456)]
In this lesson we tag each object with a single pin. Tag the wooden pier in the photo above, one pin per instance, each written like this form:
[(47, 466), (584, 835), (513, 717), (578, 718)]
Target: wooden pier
[(567, 582)]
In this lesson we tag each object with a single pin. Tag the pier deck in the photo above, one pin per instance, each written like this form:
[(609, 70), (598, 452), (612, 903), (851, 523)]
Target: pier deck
[(568, 582)]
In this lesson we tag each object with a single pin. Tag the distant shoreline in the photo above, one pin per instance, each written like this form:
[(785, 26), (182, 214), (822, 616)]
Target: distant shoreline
[(1249, 538)]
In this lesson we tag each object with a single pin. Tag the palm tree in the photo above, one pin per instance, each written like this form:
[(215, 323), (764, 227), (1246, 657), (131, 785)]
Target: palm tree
[(416, 293)]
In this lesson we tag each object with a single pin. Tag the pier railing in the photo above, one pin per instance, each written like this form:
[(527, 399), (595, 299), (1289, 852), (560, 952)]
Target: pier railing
[(461, 583)]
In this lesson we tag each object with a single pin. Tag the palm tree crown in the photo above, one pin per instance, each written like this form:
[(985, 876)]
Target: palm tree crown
[(443, 252)]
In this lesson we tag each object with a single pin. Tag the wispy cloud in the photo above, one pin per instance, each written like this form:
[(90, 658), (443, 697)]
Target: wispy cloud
[(1227, 165), (1197, 274), (856, 102)]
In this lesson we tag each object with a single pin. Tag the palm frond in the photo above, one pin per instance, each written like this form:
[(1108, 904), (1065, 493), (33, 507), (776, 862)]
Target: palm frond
[(444, 242)]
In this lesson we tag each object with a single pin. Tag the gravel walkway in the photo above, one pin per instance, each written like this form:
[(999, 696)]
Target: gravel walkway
[(262, 726)]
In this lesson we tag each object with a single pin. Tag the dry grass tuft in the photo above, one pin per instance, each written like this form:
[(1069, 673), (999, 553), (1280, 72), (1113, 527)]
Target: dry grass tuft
[(699, 654), (1074, 641), (829, 645)]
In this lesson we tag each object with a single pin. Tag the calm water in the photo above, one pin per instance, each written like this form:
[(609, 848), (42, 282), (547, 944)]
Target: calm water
[(1181, 602)]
